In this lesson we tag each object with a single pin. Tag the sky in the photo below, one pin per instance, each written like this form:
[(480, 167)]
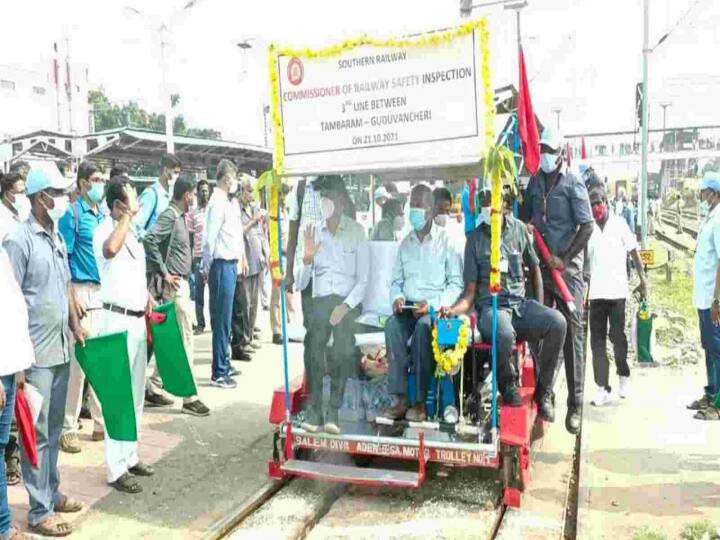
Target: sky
[(583, 56)]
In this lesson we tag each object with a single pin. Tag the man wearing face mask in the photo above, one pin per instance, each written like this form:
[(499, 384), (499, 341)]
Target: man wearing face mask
[(609, 245), (156, 198), (223, 248), (336, 258), (706, 294), (169, 262), (196, 225), (14, 204), (38, 257), (390, 226), (77, 227), (557, 202), (442, 199), (427, 272), (247, 289)]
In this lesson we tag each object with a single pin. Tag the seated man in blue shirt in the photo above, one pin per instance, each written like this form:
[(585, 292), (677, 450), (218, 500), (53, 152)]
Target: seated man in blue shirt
[(427, 271), (336, 259), (518, 317)]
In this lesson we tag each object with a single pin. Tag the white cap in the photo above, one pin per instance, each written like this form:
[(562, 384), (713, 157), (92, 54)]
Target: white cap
[(551, 138), (381, 192)]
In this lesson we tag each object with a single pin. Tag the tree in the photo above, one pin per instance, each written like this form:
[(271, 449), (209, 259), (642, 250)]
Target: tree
[(111, 116)]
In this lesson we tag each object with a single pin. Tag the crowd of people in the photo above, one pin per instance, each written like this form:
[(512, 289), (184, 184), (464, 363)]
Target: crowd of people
[(86, 256)]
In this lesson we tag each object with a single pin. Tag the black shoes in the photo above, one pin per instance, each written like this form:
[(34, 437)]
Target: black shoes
[(277, 339), (156, 400), (511, 395), (240, 354), (546, 406), (573, 420), (196, 408)]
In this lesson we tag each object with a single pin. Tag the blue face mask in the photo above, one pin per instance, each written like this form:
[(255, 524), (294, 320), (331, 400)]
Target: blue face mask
[(417, 218), (548, 162), (97, 192)]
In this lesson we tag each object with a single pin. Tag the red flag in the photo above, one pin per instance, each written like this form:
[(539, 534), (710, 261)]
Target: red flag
[(527, 127), (583, 152), (28, 437), (567, 154)]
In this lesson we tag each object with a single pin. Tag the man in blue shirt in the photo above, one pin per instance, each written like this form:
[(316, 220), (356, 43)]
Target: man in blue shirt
[(706, 294), (558, 204), (153, 201), (77, 228)]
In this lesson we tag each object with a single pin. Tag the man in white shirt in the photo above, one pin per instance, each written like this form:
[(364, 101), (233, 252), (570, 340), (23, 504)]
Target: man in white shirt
[(125, 300), (223, 249), (14, 204), (608, 248), (427, 272), (336, 258)]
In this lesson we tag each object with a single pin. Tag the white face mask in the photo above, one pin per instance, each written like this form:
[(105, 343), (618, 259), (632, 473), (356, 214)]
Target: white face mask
[(441, 220), (22, 206), (327, 207), (548, 162), (233, 186), (60, 208)]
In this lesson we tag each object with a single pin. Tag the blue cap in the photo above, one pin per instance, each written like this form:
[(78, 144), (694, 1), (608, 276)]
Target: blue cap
[(38, 180), (711, 180), (582, 167)]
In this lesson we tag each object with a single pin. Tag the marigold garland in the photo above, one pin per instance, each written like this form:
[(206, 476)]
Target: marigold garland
[(448, 361)]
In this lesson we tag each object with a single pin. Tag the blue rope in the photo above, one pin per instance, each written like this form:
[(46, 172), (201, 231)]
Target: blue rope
[(283, 319), (494, 359)]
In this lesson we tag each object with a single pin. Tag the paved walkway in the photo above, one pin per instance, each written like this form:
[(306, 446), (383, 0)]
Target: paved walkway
[(645, 461), (204, 466)]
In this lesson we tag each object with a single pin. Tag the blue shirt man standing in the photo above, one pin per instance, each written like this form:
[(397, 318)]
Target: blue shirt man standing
[(38, 257), (77, 228)]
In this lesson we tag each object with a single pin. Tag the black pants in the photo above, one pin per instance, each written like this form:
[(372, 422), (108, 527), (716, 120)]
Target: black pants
[(245, 308), (538, 323), (200, 283), (602, 313), (573, 348), (342, 357)]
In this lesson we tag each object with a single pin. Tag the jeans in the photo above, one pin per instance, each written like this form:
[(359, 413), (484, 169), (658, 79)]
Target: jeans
[(43, 483), (8, 382), (602, 313), (342, 358), (574, 346), (222, 279), (199, 293), (245, 308), (398, 330), (710, 339), (538, 323)]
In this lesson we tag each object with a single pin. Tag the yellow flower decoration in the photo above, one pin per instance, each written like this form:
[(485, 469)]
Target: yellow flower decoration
[(448, 361)]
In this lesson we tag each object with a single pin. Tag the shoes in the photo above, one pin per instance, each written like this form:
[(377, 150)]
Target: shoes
[(573, 420), (198, 330), (546, 406), (277, 339), (156, 400), (98, 436), (602, 397), (416, 413), (254, 346), (240, 354), (141, 469), (256, 336), (511, 395), (127, 484), (70, 443), (397, 410), (196, 408), (85, 413), (700, 404), (256, 329), (227, 383), (312, 422), (624, 387), (332, 422), (233, 372)]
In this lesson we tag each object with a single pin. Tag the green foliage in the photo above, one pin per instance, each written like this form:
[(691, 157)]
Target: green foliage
[(110, 115), (646, 533), (700, 530)]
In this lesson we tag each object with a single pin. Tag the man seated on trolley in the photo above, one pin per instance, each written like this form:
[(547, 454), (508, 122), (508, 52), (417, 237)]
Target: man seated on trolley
[(336, 258), (427, 272), (518, 317)]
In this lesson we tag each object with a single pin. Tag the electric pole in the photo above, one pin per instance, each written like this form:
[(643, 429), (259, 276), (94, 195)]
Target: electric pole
[(644, 128), (557, 112)]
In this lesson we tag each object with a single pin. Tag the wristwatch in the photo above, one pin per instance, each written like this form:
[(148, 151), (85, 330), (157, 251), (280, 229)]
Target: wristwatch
[(716, 302)]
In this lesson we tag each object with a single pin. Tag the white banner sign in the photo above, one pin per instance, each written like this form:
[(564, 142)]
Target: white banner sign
[(374, 108)]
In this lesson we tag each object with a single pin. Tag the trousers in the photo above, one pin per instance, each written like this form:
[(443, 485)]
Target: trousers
[(710, 340), (8, 382), (537, 323), (419, 358), (606, 314), (222, 280), (89, 295), (122, 455), (342, 358), (245, 308), (43, 483), (199, 296)]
